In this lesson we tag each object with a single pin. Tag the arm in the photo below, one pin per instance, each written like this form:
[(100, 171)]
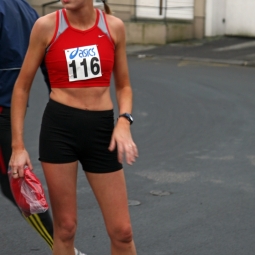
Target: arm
[(122, 135), (33, 59)]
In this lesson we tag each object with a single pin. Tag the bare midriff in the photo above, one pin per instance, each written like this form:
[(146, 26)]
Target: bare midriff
[(92, 98)]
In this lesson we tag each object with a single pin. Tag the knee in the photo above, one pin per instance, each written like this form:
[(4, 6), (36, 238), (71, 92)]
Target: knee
[(121, 234), (65, 230)]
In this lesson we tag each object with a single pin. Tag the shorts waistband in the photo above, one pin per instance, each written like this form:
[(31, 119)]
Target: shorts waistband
[(68, 108)]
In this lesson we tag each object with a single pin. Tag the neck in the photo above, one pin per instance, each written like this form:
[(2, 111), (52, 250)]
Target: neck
[(82, 18)]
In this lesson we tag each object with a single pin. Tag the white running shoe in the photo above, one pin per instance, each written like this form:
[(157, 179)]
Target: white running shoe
[(78, 252)]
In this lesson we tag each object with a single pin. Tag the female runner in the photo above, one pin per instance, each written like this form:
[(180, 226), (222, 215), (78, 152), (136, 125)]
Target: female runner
[(82, 46)]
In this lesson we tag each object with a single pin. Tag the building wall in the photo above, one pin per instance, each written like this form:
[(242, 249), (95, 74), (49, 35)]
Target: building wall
[(199, 19), (230, 17), (38, 5), (123, 9), (240, 17), (149, 31), (215, 23)]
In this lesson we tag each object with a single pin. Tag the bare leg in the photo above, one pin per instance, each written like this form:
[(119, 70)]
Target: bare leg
[(62, 181), (111, 194)]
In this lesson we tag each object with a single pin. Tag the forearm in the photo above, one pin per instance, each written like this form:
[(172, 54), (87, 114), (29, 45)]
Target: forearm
[(121, 136), (125, 99), (18, 111)]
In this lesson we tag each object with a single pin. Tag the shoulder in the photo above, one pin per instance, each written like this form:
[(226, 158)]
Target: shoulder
[(46, 22), (44, 27), (117, 27), (115, 23)]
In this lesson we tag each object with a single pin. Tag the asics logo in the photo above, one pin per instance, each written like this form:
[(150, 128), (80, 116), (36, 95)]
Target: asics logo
[(82, 53)]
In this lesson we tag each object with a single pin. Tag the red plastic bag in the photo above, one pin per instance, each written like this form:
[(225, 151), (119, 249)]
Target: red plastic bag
[(28, 193)]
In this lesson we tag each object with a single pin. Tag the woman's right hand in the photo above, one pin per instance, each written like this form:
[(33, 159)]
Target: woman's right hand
[(19, 159)]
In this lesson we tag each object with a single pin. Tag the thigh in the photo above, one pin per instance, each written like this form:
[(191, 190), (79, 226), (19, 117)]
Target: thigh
[(57, 142), (96, 128), (111, 194), (62, 182)]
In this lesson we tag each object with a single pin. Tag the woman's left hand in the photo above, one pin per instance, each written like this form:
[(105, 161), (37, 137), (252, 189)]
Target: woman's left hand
[(122, 138)]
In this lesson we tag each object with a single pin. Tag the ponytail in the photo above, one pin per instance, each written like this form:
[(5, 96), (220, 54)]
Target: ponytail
[(106, 8)]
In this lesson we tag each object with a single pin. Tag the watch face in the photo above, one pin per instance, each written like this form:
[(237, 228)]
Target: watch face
[(128, 116)]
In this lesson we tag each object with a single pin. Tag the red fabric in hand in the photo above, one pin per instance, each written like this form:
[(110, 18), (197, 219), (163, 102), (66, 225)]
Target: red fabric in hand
[(28, 193)]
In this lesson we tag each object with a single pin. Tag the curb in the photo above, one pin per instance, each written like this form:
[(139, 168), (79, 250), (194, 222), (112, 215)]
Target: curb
[(203, 60), (215, 61)]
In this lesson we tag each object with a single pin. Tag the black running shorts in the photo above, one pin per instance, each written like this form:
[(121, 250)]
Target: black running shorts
[(69, 134)]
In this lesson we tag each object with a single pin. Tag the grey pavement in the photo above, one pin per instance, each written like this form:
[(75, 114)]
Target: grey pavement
[(193, 182), (229, 50)]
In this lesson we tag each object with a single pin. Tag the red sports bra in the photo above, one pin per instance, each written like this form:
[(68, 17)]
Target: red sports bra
[(76, 58)]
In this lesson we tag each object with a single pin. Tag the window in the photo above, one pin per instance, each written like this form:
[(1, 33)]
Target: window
[(160, 9)]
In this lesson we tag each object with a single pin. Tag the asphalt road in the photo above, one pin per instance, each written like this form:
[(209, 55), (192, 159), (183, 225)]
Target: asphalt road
[(195, 130)]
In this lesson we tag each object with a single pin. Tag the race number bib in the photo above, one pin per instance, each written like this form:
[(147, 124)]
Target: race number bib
[(83, 63)]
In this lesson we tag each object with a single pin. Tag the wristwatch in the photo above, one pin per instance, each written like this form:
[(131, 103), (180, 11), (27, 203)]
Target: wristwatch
[(128, 117)]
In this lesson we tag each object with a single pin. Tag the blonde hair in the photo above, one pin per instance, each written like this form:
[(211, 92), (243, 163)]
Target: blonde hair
[(106, 8)]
